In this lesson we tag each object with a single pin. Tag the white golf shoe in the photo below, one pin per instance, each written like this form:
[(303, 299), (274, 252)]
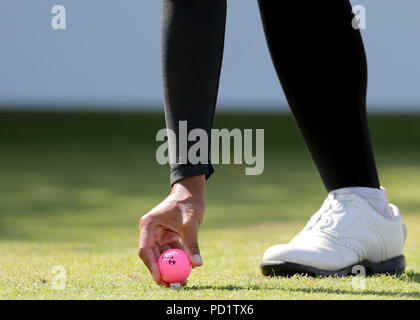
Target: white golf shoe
[(346, 231)]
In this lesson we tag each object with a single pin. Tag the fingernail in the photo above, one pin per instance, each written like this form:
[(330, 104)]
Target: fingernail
[(197, 260)]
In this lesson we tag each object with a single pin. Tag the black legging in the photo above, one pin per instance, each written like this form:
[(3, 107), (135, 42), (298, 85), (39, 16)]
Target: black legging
[(319, 58)]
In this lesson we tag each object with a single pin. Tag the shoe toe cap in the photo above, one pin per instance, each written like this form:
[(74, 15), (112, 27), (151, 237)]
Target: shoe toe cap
[(275, 253), (327, 257)]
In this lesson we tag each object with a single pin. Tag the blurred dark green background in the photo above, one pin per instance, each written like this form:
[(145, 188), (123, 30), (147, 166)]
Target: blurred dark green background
[(64, 171)]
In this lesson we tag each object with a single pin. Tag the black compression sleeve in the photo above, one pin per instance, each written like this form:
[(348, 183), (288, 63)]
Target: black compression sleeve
[(192, 50)]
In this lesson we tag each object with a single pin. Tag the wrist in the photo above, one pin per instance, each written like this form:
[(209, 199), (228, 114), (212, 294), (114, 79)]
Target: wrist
[(194, 186)]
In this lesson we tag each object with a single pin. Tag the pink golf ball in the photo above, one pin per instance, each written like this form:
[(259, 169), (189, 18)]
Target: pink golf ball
[(174, 266)]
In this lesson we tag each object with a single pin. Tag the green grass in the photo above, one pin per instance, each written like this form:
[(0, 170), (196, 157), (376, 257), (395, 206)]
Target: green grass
[(72, 188)]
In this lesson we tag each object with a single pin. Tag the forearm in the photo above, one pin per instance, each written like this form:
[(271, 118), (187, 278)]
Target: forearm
[(192, 50)]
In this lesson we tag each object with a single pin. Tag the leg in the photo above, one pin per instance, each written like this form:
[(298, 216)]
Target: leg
[(192, 49), (321, 64)]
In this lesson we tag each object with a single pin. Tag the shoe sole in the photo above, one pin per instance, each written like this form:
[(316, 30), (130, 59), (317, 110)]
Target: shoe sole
[(286, 269)]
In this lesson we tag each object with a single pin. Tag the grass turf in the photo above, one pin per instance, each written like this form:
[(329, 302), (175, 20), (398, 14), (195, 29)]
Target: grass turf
[(73, 186)]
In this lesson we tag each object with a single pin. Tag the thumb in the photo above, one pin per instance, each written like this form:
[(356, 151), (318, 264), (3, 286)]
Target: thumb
[(190, 246)]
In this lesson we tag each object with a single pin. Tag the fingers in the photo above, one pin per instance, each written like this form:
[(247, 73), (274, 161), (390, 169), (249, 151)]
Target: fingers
[(149, 258), (167, 237), (157, 252), (177, 217), (176, 245), (164, 248), (190, 244), (148, 251), (169, 240)]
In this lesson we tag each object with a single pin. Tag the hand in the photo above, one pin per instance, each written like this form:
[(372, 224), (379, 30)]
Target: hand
[(177, 217)]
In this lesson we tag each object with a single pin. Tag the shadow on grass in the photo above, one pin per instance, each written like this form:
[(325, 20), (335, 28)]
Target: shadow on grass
[(412, 277), (409, 277), (384, 293)]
